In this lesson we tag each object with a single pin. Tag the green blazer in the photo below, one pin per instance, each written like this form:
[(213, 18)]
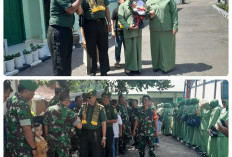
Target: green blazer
[(166, 15), (126, 18)]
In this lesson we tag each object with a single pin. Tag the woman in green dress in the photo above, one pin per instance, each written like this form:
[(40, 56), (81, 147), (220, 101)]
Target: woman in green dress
[(163, 28)]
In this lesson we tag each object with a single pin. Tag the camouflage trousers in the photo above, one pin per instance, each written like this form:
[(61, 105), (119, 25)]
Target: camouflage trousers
[(17, 153), (150, 142), (126, 137), (57, 151)]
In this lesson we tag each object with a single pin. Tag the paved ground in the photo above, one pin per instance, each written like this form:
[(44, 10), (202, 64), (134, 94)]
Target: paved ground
[(201, 50), (168, 147)]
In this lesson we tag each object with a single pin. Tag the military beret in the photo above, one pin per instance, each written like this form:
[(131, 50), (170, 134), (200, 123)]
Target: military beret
[(106, 93), (91, 92), (28, 84)]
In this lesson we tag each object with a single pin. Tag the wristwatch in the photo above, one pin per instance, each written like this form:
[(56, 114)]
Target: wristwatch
[(34, 148), (104, 137)]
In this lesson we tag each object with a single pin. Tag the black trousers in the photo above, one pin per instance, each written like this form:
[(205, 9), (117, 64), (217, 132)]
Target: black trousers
[(96, 34), (109, 142), (60, 42), (90, 143)]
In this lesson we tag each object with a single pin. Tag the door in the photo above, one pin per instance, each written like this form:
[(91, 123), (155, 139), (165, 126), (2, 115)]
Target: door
[(13, 22)]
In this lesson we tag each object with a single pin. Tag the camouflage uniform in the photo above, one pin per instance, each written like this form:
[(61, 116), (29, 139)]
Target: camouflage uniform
[(59, 120), (126, 133), (146, 134), (18, 115), (53, 101)]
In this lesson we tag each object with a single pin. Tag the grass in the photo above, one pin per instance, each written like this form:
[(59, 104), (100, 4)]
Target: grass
[(223, 6)]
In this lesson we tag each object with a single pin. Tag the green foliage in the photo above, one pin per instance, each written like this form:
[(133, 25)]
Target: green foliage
[(224, 6), (39, 46), (17, 55), (9, 57), (33, 48), (115, 86), (25, 52)]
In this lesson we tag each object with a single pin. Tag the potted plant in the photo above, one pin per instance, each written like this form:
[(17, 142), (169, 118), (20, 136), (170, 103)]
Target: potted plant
[(39, 48), (28, 56), (9, 62), (34, 52), (18, 60)]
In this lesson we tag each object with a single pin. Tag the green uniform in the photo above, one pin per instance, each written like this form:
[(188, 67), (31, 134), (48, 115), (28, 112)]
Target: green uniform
[(174, 129), (167, 118), (53, 101), (185, 126), (126, 134), (59, 120), (162, 40), (146, 134), (190, 129), (133, 39), (196, 140), (222, 140), (58, 15), (212, 142), (205, 116), (18, 114)]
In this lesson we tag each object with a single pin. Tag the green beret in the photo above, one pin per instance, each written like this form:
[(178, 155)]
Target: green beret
[(91, 92), (194, 101), (28, 84), (106, 93), (214, 103)]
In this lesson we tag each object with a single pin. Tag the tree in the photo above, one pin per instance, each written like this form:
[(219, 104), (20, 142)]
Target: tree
[(115, 86)]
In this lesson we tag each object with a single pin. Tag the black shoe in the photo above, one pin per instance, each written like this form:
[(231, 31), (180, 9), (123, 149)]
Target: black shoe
[(104, 74), (155, 70), (137, 72), (129, 73), (93, 74)]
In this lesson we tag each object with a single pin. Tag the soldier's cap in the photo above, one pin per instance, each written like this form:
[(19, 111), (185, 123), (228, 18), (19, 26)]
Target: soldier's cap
[(28, 84), (106, 93), (213, 103), (194, 101), (91, 92)]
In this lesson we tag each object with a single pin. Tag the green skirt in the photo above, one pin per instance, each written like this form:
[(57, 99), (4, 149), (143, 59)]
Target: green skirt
[(223, 146), (204, 140), (133, 48), (163, 50)]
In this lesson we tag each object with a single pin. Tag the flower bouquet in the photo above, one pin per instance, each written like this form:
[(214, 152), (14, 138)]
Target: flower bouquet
[(140, 10)]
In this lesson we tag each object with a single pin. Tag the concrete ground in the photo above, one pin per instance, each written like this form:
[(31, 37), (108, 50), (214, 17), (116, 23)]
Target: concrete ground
[(168, 147), (201, 46)]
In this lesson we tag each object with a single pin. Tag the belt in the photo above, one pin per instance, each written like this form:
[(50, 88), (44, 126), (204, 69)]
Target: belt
[(56, 26)]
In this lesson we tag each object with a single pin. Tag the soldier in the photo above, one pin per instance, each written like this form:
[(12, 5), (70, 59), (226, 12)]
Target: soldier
[(174, 129), (20, 140), (55, 99), (146, 120), (134, 113), (112, 117), (93, 134), (212, 141), (58, 120), (167, 121), (126, 134)]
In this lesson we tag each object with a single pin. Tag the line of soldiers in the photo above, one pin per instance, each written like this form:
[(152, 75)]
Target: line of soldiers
[(203, 126)]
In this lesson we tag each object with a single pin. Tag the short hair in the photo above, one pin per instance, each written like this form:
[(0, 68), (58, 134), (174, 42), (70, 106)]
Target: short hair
[(21, 89), (146, 96), (35, 125), (120, 96), (63, 96), (58, 90), (77, 97), (113, 102), (135, 100), (7, 86)]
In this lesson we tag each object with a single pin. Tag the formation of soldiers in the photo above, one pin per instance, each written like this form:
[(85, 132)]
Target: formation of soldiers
[(88, 128)]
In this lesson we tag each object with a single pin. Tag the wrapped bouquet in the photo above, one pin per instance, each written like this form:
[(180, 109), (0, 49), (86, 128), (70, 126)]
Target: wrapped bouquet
[(140, 10)]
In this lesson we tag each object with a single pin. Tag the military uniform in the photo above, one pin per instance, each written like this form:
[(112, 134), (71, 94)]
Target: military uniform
[(212, 141), (91, 133), (174, 129), (59, 120), (162, 39), (133, 38), (18, 114), (126, 133), (111, 113), (167, 118), (146, 133), (96, 33), (53, 101)]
